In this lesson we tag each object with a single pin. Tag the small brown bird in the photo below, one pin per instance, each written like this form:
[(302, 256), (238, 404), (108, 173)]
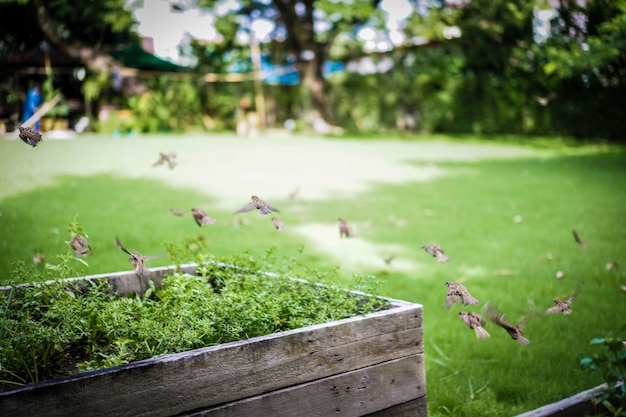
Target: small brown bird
[(578, 239), (166, 157), (201, 218), (30, 136), (514, 331), (136, 259), (278, 224), (345, 230), (563, 306), (38, 258), (475, 322), (436, 251), (177, 212), (294, 196), (457, 293), (389, 259), (80, 245), (258, 204)]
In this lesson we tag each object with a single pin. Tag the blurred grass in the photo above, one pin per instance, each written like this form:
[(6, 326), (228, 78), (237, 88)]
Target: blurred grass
[(470, 211)]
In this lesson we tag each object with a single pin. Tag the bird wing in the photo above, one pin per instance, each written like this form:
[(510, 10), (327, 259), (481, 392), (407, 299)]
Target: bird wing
[(147, 258), (467, 298), (119, 245), (577, 238), (452, 297), (248, 207), (497, 317), (271, 207), (207, 220), (162, 159), (553, 310)]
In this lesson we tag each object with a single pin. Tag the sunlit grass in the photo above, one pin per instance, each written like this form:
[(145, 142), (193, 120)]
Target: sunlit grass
[(506, 225)]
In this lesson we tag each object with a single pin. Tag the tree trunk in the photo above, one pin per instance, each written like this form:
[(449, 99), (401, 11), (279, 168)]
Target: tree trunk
[(95, 60), (313, 81)]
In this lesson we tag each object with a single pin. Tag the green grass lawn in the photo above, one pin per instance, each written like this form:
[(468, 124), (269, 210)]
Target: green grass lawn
[(504, 212)]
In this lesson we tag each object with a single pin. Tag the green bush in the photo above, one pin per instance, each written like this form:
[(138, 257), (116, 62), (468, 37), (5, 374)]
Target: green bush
[(53, 329)]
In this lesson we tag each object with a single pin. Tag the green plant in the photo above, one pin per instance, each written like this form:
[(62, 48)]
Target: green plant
[(59, 328), (611, 364)]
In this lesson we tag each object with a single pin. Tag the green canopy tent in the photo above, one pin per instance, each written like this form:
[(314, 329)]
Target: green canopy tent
[(134, 56)]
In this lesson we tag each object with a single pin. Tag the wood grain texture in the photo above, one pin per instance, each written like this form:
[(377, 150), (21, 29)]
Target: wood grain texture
[(124, 282), (414, 408), (351, 394), (201, 378)]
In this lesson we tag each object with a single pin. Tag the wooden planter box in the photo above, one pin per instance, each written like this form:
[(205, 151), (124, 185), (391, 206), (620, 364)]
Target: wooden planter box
[(577, 405), (366, 365)]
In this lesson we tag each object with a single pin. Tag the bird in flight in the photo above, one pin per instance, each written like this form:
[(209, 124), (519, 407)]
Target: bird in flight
[(257, 204), (166, 157), (278, 224), (458, 294), (30, 136), (436, 251), (515, 331), (475, 322), (345, 230), (136, 259), (578, 239), (80, 245), (563, 306), (201, 218)]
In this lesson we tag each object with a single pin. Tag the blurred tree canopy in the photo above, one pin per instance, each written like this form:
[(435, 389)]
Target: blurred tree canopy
[(479, 66)]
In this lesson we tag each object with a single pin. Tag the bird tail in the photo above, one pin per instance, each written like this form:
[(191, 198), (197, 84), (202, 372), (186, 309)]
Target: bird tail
[(442, 258), (523, 341), (468, 299), (264, 210), (481, 333)]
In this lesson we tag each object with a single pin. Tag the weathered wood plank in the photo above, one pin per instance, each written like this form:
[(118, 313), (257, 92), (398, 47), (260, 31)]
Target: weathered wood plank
[(414, 408), (124, 282), (201, 378), (577, 405), (351, 394)]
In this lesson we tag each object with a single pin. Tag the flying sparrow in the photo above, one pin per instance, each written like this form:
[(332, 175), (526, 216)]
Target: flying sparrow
[(80, 245), (169, 158), (38, 258), (201, 218), (514, 331), (563, 306), (474, 321), (436, 251), (258, 204), (30, 136), (294, 196), (345, 230), (457, 293), (177, 212), (278, 224), (578, 239), (136, 259), (389, 259)]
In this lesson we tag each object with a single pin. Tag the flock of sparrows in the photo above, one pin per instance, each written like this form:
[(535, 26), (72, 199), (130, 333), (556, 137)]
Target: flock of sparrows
[(82, 247), (458, 294)]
